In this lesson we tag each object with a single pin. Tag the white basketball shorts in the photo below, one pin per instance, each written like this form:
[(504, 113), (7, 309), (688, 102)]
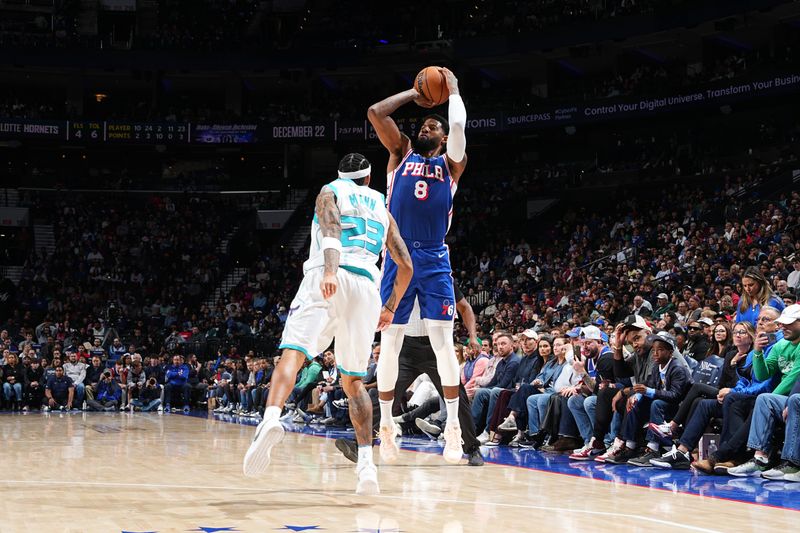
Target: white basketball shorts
[(350, 316)]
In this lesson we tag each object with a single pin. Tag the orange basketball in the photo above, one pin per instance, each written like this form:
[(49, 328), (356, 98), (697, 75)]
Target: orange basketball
[(431, 84)]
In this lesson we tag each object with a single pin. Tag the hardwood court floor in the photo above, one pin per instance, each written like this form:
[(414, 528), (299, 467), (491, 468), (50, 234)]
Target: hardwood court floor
[(163, 473)]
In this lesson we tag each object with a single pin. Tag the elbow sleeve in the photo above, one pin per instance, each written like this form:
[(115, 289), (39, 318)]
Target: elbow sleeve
[(456, 139)]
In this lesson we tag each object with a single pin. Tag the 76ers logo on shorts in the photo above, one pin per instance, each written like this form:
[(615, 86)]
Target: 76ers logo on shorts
[(448, 309)]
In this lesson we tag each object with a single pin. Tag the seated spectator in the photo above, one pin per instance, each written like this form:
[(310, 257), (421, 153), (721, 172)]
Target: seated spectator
[(595, 370), (155, 370), (475, 366), (537, 371), (549, 367), (136, 381), (306, 381), (556, 357), (108, 394), (244, 388), (34, 386), (120, 374), (711, 376), (97, 349), (330, 377), (594, 367), (505, 371), (657, 400), (733, 405), (94, 374), (197, 381), (630, 335), (721, 339), (698, 344), (13, 381), (75, 369), (783, 361), (177, 384), (663, 303), (149, 398), (221, 390), (59, 391)]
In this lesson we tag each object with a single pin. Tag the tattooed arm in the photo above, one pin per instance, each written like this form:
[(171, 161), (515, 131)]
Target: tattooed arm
[(405, 271), (330, 225)]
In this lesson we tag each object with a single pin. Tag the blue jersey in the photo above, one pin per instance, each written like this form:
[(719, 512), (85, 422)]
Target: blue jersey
[(420, 197)]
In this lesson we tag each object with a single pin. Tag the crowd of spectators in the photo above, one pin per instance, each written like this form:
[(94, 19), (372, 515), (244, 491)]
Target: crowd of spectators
[(137, 267)]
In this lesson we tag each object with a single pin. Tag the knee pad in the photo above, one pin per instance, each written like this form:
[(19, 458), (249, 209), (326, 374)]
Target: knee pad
[(441, 335)]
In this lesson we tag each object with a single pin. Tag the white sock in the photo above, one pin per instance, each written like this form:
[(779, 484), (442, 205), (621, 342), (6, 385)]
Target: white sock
[(272, 412), (653, 446), (386, 412), (364, 455), (631, 444), (452, 411)]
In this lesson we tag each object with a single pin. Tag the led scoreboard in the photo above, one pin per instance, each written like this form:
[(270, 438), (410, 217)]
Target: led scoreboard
[(147, 132), (88, 131)]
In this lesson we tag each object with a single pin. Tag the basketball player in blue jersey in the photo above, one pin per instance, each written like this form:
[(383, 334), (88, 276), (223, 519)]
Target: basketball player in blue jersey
[(339, 299), (422, 178)]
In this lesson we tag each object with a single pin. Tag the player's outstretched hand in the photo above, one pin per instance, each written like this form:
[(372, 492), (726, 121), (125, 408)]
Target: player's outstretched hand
[(328, 285), (451, 80), (386, 319)]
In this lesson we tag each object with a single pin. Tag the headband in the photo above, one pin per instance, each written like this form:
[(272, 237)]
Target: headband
[(357, 174)]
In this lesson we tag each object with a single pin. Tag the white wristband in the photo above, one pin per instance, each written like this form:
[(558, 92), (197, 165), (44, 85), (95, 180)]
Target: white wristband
[(331, 243)]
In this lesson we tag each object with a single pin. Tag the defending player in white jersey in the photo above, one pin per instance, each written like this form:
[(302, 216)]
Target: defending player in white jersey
[(422, 179), (338, 298)]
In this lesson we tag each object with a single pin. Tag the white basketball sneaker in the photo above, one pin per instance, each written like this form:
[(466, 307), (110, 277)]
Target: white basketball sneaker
[(367, 480), (452, 444), (268, 433), (388, 448)]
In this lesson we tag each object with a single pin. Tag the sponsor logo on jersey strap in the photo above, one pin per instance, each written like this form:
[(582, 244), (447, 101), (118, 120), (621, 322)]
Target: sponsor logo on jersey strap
[(423, 170)]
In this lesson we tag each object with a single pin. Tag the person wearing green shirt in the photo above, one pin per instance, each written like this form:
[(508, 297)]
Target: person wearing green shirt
[(664, 306), (309, 375), (782, 404), (784, 358)]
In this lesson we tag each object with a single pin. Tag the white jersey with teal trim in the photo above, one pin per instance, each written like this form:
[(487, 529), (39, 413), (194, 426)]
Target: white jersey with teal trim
[(365, 222)]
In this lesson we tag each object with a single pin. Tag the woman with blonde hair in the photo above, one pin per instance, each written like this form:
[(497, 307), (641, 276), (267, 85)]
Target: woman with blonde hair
[(756, 293)]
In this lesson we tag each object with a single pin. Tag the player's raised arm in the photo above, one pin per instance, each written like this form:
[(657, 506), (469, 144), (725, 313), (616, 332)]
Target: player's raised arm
[(457, 117), (405, 271), (379, 116), (330, 224)]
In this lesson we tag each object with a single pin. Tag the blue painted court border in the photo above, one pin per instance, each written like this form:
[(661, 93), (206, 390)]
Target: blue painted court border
[(756, 491)]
